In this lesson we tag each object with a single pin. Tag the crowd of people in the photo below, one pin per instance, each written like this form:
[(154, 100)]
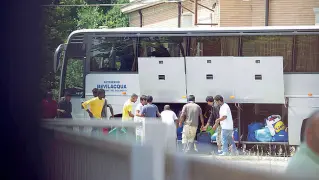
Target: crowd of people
[(191, 115)]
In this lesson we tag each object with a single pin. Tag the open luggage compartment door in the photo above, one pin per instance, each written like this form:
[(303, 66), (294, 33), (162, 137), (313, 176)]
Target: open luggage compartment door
[(163, 78), (259, 80), (210, 76)]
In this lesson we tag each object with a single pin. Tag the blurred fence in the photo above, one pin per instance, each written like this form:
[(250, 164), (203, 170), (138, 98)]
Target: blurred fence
[(71, 154)]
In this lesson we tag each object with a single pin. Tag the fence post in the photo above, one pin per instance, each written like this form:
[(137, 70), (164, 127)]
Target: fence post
[(153, 137)]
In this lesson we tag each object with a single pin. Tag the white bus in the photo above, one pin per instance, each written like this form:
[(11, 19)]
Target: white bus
[(260, 71)]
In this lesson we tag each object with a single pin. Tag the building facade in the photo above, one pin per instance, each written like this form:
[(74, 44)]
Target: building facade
[(223, 13)]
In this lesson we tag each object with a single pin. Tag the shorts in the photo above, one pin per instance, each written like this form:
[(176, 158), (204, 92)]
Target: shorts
[(219, 135), (188, 134)]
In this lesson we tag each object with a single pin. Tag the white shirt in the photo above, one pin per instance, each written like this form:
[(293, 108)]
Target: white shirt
[(138, 108), (168, 117), (228, 123)]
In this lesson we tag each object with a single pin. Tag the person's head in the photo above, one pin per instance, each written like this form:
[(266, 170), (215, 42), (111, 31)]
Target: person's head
[(143, 99), (219, 100), (134, 97), (191, 98), (49, 95), (101, 93), (94, 91), (67, 96), (312, 132), (149, 99), (167, 107), (210, 100)]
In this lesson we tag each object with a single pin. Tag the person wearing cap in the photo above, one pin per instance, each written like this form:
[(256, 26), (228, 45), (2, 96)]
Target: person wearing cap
[(65, 106)]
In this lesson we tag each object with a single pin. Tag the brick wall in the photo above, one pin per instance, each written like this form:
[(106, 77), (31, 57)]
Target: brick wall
[(281, 12)]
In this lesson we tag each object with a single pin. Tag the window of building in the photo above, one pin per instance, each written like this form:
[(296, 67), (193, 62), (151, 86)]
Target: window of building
[(163, 46), (307, 53), (269, 46), (113, 54), (214, 46)]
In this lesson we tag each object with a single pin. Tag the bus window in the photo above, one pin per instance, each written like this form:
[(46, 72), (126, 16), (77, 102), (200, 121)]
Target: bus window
[(269, 46), (307, 53), (113, 54), (162, 46), (74, 76), (214, 46)]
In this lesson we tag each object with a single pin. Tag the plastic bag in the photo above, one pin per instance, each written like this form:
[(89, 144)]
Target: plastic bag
[(263, 135), (213, 138), (251, 131), (271, 121), (281, 136)]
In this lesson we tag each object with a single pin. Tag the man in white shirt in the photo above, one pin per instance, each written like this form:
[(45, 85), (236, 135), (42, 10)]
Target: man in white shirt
[(138, 118), (226, 122), (169, 117)]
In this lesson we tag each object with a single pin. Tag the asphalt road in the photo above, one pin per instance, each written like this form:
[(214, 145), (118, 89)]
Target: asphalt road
[(269, 164)]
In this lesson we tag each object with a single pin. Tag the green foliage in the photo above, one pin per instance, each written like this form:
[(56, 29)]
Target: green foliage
[(59, 22)]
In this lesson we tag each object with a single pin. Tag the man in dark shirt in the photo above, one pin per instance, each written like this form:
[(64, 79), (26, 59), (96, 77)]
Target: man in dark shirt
[(213, 116), (150, 110), (65, 106), (49, 107)]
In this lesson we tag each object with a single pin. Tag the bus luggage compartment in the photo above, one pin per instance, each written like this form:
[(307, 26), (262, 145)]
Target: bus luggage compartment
[(163, 78)]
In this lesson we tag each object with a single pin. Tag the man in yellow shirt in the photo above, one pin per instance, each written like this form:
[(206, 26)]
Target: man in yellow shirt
[(127, 112), (96, 105)]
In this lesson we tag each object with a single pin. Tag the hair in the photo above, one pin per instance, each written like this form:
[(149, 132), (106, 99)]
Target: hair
[(67, 94), (191, 98), (219, 98), (149, 99), (100, 91), (143, 98), (209, 99), (134, 95), (167, 107), (95, 90)]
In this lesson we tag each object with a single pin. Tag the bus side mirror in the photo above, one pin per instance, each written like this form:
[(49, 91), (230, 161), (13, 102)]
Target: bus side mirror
[(56, 58)]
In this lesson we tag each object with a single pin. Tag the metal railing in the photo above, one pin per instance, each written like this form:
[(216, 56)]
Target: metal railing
[(72, 155)]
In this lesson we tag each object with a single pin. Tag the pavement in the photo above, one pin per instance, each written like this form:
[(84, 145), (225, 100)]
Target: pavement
[(262, 163)]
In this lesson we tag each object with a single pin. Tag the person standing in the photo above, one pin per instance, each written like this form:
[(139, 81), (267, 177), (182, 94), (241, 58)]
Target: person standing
[(170, 119), (96, 105), (191, 113), (306, 160), (65, 106), (227, 125), (139, 107), (150, 110), (214, 114), (127, 111), (107, 105), (138, 118), (49, 106)]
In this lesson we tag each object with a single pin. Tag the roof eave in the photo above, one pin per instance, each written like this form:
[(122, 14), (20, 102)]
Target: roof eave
[(135, 6)]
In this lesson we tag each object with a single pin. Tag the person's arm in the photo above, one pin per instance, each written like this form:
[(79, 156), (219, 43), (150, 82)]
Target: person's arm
[(60, 106), (129, 110), (143, 111), (183, 116), (158, 113), (222, 114), (201, 116), (111, 109), (85, 106), (211, 117)]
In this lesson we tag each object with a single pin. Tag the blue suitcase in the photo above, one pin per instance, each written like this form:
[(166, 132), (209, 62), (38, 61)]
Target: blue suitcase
[(204, 145)]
